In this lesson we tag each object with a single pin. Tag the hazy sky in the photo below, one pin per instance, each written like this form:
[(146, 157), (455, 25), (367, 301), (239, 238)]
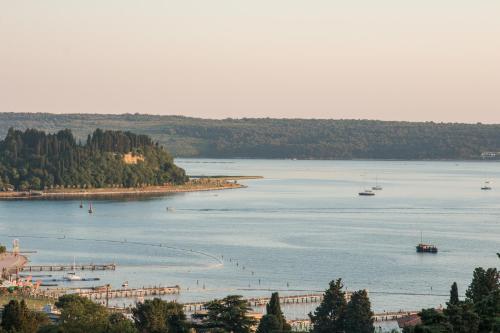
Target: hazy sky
[(378, 59)]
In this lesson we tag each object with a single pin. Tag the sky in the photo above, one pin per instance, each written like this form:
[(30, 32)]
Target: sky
[(425, 60)]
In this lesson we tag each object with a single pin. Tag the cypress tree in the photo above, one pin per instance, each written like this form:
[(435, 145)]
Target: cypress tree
[(274, 308), (330, 314), (359, 316), (454, 294), (269, 324)]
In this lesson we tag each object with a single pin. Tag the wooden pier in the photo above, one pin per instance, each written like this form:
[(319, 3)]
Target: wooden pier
[(262, 301), (302, 325), (102, 293), (129, 292), (60, 268)]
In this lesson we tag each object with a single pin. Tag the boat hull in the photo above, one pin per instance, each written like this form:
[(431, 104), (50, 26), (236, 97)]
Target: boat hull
[(426, 249)]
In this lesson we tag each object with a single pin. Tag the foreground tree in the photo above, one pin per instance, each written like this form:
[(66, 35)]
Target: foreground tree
[(229, 314), (454, 300), (17, 317), (479, 313), (118, 323), (330, 314), (461, 315), (359, 316), (432, 322), (158, 316), (483, 283), (80, 315), (269, 324), (488, 310)]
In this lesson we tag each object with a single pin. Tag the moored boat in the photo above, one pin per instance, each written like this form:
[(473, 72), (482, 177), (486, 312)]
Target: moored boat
[(486, 186), (377, 187), (367, 193), (426, 248)]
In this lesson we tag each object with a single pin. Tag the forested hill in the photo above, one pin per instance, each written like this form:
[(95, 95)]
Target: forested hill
[(282, 138), (35, 160)]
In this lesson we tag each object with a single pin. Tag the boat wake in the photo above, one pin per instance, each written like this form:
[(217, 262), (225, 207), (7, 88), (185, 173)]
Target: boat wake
[(218, 261)]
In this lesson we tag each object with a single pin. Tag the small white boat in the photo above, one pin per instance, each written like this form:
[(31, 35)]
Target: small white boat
[(125, 284), (71, 276), (367, 193), (486, 186)]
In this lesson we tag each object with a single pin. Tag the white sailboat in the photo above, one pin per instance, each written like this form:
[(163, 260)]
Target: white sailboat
[(366, 192), (71, 276), (377, 187)]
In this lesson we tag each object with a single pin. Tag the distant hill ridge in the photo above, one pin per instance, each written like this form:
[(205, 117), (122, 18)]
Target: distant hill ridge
[(281, 138)]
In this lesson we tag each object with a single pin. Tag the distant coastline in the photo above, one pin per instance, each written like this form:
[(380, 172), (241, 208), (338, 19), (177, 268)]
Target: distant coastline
[(197, 184), (268, 138)]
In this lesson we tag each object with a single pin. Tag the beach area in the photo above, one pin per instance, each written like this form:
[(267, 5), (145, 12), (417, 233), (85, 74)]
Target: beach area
[(193, 185)]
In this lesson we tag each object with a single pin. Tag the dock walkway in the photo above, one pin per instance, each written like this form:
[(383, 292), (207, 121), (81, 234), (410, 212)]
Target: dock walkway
[(60, 268), (103, 293)]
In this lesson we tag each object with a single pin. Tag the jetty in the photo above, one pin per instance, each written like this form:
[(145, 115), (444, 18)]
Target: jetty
[(262, 301), (299, 325), (102, 293), (60, 268)]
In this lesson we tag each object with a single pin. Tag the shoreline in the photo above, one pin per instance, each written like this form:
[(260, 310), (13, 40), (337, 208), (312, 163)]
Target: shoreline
[(195, 185)]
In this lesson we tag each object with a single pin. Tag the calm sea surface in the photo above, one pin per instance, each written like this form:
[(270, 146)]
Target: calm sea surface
[(298, 228)]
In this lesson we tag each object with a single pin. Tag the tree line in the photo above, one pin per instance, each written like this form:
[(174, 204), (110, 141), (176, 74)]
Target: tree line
[(283, 138), (34, 160), (478, 313), (228, 315)]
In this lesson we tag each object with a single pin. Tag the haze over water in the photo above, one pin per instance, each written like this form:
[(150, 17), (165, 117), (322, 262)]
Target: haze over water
[(298, 228)]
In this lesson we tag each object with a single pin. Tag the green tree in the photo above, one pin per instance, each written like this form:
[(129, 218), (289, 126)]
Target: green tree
[(358, 315), (330, 315), (488, 310), (118, 323), (80, 315), (17, 317), (35, 160), (454, 300), (3, 249), (432, 322), (274, 308), (229, 314), (269, 323), (462, 317), (483, 283), (158, 316)]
